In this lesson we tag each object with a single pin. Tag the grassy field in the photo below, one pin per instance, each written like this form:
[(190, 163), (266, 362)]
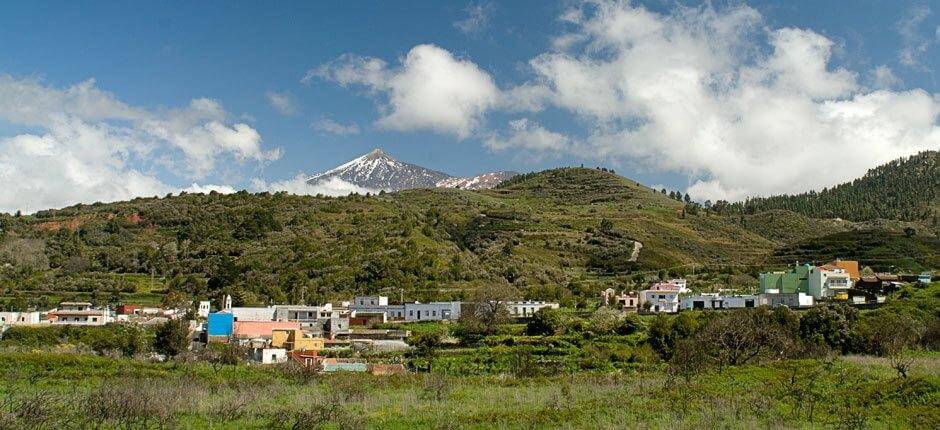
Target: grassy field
[(49, 390)]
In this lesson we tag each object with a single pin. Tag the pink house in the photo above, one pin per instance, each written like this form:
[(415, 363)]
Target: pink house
[(260, 329)]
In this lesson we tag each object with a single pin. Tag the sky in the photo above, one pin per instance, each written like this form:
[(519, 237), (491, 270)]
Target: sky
[(107, 101)]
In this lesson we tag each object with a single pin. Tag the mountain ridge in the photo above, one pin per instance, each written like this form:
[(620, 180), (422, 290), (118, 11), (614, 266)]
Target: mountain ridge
[(378, 170)]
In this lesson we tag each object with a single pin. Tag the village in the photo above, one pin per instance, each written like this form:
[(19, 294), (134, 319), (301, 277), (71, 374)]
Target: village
[(323, 337)]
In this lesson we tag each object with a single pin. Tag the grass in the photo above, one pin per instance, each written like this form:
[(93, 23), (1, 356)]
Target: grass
[(79, 390)]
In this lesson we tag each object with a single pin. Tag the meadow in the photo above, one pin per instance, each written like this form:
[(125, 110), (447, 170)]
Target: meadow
[(56, 390)]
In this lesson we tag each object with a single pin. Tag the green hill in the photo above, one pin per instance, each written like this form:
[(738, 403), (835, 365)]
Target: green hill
[(561, 234), (905, 189)]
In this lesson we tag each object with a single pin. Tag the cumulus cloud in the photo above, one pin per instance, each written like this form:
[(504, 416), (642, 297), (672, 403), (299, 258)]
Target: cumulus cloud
[(82, 144), (327, 125), (695, 92), (477, 18), (716, 94), (298, 185), (528, 135), (431, 90), (282, 102)]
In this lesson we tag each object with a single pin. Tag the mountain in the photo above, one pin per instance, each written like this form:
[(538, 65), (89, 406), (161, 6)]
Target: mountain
[(478, 182), (380, 171), (906, 189), (562, 234)]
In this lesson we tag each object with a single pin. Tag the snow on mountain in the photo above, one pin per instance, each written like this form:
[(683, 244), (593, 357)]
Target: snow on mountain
[(478, 182), (379, 171)]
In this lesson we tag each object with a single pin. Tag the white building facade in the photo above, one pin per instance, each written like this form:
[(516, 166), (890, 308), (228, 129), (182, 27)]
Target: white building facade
[(827, 283), (20, 318), (528, 308), (80, 313)]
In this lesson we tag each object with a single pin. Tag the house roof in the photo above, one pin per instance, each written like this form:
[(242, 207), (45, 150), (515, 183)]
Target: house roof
[(849, 266), (261, 328)]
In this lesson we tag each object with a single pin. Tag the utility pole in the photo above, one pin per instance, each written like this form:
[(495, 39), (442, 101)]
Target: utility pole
[(401, 297)]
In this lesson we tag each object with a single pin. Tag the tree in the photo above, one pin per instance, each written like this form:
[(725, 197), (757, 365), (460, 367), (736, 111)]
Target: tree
[(890, 334), (425, 345), (739, 336), (546, 321), (910, 231), (487, 308), (661, 336), (605, 320), (172, 338), (829, 325), (223, 354), (176, 300)]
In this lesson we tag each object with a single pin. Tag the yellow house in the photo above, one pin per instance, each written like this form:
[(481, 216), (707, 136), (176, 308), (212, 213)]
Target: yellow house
[(293, 339)]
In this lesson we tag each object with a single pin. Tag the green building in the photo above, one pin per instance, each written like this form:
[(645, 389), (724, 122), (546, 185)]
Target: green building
[(794, 280)]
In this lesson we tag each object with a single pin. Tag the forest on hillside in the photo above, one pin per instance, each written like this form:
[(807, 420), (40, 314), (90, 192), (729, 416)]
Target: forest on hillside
[(905, 189)]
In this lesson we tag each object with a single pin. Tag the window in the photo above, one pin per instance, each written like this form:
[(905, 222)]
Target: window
[(434, 313)]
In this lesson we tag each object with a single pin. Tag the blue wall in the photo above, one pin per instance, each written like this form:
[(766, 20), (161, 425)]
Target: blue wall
[(221, 324)]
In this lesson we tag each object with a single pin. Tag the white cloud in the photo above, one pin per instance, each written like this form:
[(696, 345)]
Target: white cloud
[(72, 162), (85, 145), (327, 125), (478, 16), (716, 94), (883, 77), (431, 90), (283, 102), (351, 69), (298, 185), (914, 43), (694, 92), (208, 188), (528, 135)]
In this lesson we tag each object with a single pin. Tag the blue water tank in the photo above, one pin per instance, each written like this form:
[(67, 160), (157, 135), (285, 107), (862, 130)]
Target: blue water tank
[(220, 324)]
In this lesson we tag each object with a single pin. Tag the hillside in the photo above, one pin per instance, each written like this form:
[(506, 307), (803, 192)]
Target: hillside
[(905, 189), (881, 250), (545, 235), (561, 234)]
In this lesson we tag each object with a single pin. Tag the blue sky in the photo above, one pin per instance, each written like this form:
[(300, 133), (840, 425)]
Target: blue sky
[(155, 58)]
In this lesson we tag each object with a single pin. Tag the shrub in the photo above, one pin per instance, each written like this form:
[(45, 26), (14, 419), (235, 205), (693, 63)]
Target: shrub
[(172, 338)]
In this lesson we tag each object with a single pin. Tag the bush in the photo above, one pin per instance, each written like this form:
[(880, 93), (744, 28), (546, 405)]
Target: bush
[(172, 338)]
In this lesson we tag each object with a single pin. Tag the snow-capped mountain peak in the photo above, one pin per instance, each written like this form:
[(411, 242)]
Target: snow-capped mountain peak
[(379, 171)]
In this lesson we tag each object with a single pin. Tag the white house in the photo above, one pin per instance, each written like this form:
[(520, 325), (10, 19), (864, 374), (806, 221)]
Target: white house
[(828, 281), (525, 309), (80, 313), (370, 301), (377, 305), (702, 301), (204, 307), (408, 312), (774, 298), (270, 355), (660, 300), (19, 318), (740, 301), (251, 313), (432, 311)]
